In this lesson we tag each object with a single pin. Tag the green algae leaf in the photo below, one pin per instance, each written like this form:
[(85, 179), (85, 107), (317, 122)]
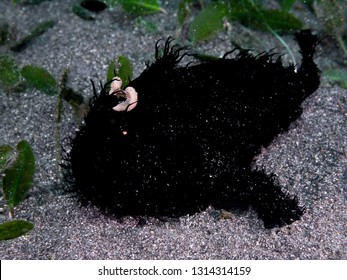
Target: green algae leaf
[(286, 5), (110, 71), (208, 23), (280, 21), (140, 7), (5, 155), (9, 72), (145, 25), (183, 10), (71, 97), (124, 69), (75, 100), (254, 15), (14, 229), (19, 176), (67, 93), (204, 57), (82, 12), (40, 79), (37, 31), (4, 31), (337, 75)]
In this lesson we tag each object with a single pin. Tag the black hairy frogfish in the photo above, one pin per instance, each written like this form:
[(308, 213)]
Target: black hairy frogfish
[(178, 139)]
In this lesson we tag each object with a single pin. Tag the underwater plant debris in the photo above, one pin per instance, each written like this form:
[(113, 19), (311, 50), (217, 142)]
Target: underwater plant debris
[(190, 139), (93, 5)]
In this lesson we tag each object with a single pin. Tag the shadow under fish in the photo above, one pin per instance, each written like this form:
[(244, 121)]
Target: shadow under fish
[(178, 139)]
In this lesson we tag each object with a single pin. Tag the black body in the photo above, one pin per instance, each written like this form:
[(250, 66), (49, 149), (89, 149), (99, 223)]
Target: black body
[(192, 137)]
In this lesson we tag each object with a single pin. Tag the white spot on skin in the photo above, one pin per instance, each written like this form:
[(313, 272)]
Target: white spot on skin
[(130, 102)]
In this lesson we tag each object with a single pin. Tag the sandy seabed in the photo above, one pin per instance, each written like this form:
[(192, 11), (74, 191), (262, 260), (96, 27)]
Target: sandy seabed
[(310, 159)]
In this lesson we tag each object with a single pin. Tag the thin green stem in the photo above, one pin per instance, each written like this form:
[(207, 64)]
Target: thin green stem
[(58, 124), (57, 137), (279, 38), (342, 45), (273, 32)]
